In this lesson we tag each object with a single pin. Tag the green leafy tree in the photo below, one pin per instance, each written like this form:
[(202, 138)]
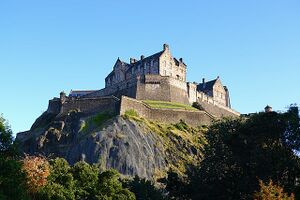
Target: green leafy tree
[(12, 178), (82, 181), (144, 189), (86, 180), (60, 185), (110, 187), (241, 150), (176, 185)]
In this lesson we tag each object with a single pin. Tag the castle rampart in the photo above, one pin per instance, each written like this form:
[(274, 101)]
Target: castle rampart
[(194, 118), (157, 77), (85, 105)]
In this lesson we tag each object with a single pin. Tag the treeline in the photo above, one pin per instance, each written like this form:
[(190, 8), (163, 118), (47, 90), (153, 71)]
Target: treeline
[(254, 157)]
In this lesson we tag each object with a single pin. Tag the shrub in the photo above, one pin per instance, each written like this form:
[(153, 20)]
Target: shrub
[(197, 105)]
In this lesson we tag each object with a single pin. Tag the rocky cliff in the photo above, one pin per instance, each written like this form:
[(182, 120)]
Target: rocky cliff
[(129, 143)]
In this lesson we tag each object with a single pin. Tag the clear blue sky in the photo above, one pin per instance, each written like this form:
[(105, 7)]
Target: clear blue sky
[(50, 46)]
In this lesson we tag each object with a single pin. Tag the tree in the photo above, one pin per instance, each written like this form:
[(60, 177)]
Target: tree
[(241, 150), (60, 185), (144, 189), (86, 179), (6, 139), (176, 185), (110, 187), (82, 181), (12, 178), (37, 170), (271, 191)]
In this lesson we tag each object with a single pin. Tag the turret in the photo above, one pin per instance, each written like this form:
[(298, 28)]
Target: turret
[(62, 97)]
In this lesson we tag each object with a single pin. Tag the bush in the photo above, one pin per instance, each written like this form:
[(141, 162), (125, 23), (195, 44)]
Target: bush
[(197, 105)]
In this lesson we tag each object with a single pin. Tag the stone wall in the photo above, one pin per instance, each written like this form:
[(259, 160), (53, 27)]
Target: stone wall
[(92, 105), (213, 107), (161, 88), (209, 103), (169, 67), (194, 118), (54, 106)]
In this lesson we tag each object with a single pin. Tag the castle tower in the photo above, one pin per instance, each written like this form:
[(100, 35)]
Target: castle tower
[(62, 97)]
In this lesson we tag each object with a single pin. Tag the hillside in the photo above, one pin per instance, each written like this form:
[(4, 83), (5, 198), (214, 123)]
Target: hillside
[(128, 143)]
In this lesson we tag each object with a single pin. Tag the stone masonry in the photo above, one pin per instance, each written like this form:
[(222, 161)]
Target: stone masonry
[(159, 77)]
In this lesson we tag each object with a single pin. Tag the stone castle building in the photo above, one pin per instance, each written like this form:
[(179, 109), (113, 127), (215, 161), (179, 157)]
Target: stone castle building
[(159, 77)]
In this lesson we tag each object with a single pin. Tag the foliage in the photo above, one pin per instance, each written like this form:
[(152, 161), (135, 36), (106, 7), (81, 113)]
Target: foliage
[(182, 143), (82, 181), (144, 189), (169, 105), (95, 122), (197, 105), (6, 139), (182, 126), (37, 170), (131, 113), (100, 118), (12, 178), (176, 186), (60, 184), (110, 187), (86, 178), (241, 150), (271, 191)]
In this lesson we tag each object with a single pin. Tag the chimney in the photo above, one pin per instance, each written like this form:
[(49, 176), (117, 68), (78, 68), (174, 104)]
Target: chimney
[(166, 47), (142, 57), (132, 60), (181, 60), (203, 80)]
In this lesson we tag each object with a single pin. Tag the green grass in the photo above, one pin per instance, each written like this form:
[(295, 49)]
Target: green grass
[(131, 113), (169, 105), (178, 140), (95, 122)]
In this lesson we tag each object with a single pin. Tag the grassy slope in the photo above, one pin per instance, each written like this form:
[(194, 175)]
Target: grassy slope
[(182, 144), (169, 105)]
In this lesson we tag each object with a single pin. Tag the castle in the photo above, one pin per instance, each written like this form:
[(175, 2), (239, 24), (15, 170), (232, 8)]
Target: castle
[(159, 77)]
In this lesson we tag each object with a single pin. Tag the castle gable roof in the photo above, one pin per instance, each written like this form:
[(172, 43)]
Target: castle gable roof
[(206, 86), (147, 59), (122, 63)]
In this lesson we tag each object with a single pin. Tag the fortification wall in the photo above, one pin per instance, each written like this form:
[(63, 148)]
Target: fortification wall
[(54, 106), (127, 87), (208, 103), (194, 118), (153, 87), (161, 88), (92, 105), (214, 108)]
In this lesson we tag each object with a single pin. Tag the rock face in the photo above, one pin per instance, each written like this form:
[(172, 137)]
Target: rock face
[(130, 146)]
